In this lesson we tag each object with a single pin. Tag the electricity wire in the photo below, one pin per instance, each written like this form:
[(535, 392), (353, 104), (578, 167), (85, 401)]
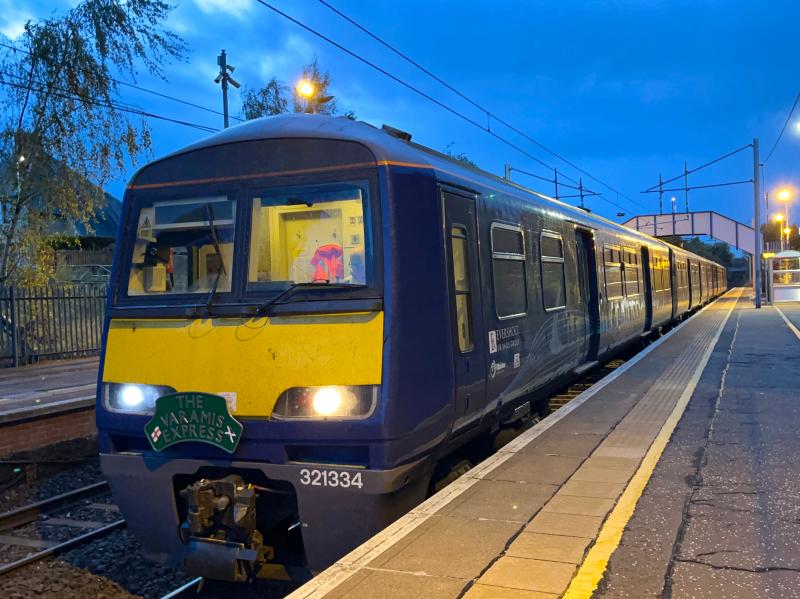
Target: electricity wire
[(785, 124), (143, 89), (694, 170), (57, 92), (488, 113), (418, 91)]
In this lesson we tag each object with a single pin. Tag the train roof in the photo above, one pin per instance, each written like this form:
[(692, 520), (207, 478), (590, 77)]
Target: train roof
[(389, 146)]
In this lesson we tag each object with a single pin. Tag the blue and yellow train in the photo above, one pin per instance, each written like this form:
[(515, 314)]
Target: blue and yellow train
[(308, 315)]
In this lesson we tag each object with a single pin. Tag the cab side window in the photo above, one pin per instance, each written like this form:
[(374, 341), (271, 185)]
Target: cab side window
[(554, 289), (508, 269)]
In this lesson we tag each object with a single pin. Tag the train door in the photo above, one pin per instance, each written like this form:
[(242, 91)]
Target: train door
[(674, 281), (469, 339), (587, 280), (694, 284), (649, 295)]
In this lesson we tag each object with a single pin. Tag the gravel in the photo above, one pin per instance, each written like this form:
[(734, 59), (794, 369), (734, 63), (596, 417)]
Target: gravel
[(113, 568), (58, 470)]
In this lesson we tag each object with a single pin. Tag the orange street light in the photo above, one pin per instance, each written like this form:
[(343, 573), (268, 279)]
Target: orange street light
[(778, 218), (784, 194), (305, 88)]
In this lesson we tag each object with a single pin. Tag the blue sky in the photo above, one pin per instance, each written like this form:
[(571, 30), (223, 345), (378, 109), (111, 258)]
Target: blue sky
[(626, 90)]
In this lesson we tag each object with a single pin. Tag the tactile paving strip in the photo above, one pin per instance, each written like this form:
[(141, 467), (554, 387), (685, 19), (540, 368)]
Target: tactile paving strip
[(536, 509)]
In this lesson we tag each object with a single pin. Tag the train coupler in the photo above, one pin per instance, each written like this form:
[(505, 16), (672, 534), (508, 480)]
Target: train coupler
[(220, 530)]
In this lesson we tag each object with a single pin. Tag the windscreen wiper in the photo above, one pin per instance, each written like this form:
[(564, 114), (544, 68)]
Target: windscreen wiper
[(218, 252), (263, 308)]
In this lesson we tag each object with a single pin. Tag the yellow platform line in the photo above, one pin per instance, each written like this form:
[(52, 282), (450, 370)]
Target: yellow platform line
[(590, 573)]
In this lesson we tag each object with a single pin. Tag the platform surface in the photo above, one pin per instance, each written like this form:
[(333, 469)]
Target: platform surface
[(47, 387), (674, 476)]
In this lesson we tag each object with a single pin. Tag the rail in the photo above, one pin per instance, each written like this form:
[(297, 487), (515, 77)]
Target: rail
[(32, 513)]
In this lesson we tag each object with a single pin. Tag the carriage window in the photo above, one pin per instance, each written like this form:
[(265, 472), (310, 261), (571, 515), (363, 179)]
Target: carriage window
[(312, 234), (461, 285), (554, 293), (631, 272), (508, 267), (183, 246), (655, 273), (613, 272), (666, 284)]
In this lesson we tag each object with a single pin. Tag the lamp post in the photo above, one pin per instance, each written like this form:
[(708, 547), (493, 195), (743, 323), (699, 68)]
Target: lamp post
[(779, 218), (784, 195)]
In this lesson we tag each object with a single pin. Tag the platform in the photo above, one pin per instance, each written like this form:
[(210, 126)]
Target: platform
[(674, 476), (46, 403)]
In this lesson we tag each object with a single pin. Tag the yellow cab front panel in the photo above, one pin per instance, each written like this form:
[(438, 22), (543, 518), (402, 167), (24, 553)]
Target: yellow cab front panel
[(250, 361)]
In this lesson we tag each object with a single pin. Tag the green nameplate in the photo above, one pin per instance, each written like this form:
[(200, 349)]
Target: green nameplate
[(192, 416)]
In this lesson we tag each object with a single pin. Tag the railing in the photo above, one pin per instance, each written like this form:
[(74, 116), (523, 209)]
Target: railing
[(48, 323), (84, 257)]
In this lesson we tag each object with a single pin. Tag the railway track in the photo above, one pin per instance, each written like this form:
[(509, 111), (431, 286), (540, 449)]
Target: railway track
[(575, 389), (52, 526)]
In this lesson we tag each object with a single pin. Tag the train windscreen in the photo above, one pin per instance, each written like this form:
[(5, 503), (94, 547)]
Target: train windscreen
[(183, 246), (309, 234)]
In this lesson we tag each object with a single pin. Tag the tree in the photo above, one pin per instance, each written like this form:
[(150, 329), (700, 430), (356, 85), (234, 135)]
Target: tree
[(461, 156), (63, 131), (323, 103), (275, 97), (718, 251), (267, 101)]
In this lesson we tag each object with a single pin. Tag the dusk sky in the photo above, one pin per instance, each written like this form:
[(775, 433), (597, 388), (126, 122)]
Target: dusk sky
[(626, 90)]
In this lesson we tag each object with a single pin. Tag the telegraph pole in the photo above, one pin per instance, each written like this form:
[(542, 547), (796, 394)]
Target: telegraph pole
[(756, 227), (507, 176), (224, 77), (660, 195)]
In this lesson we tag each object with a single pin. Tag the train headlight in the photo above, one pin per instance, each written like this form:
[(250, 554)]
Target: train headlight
[(327, 403), (131, 398)]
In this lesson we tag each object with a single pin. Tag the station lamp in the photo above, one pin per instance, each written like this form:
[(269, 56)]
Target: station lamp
[(305, 88)]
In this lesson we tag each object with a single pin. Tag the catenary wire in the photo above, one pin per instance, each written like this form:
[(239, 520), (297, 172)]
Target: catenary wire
[(785, 124), (694, 170), (701, 186), (417, 91), (473, 102), (553, 181)]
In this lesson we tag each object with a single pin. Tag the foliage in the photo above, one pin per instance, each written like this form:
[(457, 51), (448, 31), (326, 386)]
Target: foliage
[(718, 251), (461, 156), (276, 96), (773, 232), (323, 103), (62, 134), (267, 101)]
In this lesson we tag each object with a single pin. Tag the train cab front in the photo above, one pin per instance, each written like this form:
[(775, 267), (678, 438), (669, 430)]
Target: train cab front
[(240, 409)]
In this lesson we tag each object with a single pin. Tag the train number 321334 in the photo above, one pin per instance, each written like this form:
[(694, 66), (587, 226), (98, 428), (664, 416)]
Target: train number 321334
[(330, 478)]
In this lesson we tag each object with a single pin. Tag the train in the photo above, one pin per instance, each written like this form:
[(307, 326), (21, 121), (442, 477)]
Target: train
[(308, 315)]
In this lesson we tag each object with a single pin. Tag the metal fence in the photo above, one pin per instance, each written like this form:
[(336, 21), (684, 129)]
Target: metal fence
[(53, 322)]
